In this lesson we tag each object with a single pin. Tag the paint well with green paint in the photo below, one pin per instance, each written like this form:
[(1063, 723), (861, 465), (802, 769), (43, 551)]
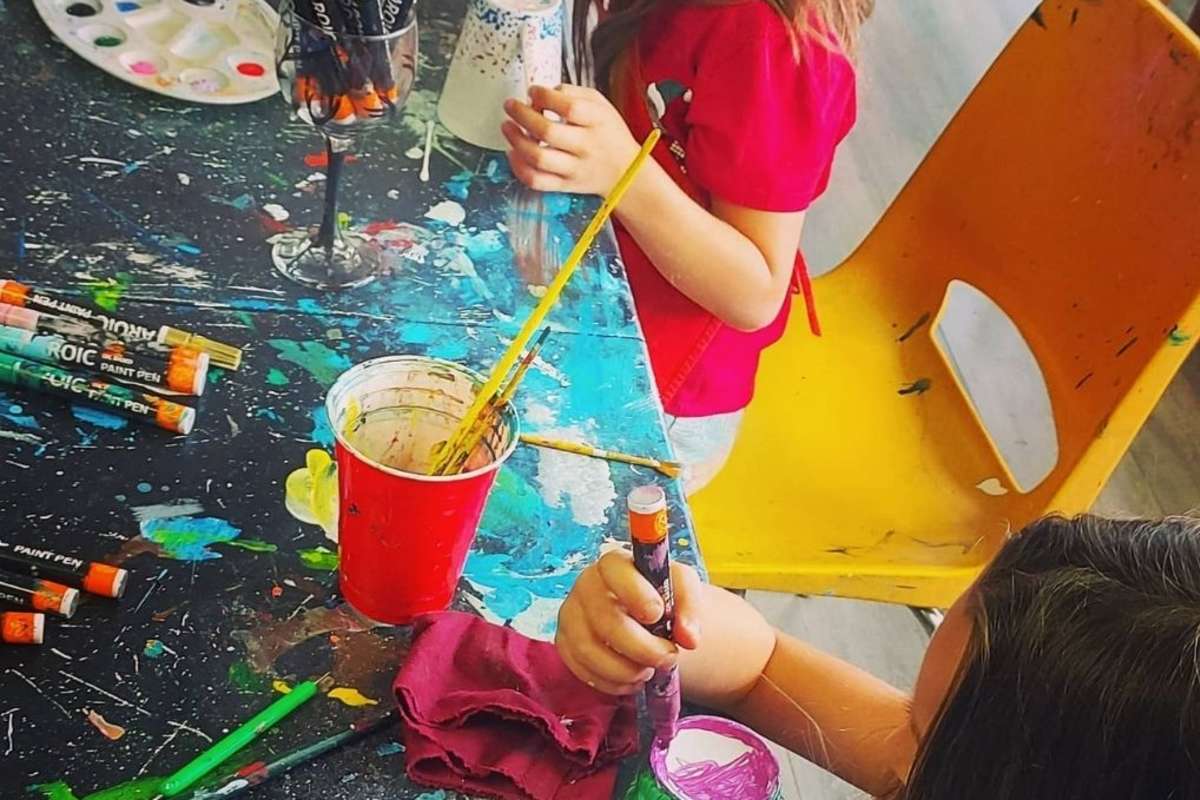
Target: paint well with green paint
[(319, 558)]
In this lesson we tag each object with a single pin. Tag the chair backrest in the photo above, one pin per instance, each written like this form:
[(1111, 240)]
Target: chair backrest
[(1067, 189)]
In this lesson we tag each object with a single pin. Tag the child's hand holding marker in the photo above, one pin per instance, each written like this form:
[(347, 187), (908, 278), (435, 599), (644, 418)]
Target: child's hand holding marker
[(586, 152), (600, 627)]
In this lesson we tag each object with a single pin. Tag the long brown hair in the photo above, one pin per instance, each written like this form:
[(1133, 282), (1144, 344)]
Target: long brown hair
[(839, 19), (1081, 680)]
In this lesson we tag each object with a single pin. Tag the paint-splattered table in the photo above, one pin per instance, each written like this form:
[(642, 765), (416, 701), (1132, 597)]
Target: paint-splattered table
[(163, 210)]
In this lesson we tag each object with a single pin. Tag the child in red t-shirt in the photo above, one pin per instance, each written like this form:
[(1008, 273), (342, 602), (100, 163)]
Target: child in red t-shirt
[(752, 97)]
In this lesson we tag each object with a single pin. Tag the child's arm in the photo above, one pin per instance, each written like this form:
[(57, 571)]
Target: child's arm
[(735, 262), (730, 659)]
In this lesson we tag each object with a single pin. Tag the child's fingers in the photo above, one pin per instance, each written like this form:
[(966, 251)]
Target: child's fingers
[(543, 129), (688, 592), (543, 159), (538, 181), (634, 591), (595, 681), (576, 107), (617, 630), (602, 661)]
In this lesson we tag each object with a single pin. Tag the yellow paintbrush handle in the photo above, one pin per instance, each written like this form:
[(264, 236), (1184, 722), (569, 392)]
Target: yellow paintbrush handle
[(452, 447), (669, 468)]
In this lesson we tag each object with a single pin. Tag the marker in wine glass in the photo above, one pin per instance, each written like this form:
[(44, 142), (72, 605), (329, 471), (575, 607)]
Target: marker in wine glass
[(141, 406), (652, 557), (18, 294)]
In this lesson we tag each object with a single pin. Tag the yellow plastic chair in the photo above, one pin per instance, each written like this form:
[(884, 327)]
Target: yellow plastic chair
[(1067, 190)]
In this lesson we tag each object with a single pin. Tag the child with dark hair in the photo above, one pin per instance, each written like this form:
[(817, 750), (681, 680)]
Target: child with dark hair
[(1069, 671)]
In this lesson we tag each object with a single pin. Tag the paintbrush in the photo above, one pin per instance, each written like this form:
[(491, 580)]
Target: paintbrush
[(671, 469), (260, 772), (527, 218), (250, 730), (450, 451), (502, 400)]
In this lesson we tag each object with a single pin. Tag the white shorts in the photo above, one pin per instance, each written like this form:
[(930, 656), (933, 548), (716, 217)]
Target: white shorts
[(702, 445)]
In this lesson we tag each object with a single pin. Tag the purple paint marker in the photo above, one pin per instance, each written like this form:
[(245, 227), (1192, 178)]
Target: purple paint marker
[(652, 557)]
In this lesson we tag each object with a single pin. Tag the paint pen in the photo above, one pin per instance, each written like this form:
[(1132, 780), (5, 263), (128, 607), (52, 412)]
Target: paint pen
[(18, 294), (22, 627), (91, 576), (141, 406), (38, 594), (180, 369), (652, 557)]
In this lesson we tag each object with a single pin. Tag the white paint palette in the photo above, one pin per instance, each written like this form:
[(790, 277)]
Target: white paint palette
[(202, 51)]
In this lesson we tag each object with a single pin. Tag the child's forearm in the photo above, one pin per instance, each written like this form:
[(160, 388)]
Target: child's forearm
[(824, 709), (833, 714), (739, 270)]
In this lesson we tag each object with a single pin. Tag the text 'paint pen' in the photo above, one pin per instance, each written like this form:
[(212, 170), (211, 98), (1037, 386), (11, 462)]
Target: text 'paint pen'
[(91, 576)]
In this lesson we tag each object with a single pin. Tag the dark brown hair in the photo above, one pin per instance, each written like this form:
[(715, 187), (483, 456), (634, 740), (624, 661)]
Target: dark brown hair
[(622, 21), (1081, 680)]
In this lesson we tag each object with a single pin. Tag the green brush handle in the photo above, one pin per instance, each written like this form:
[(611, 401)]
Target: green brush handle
[(207, 761)]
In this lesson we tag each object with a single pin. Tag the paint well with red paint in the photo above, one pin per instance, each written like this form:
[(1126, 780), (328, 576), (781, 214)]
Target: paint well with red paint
[(251, 69)]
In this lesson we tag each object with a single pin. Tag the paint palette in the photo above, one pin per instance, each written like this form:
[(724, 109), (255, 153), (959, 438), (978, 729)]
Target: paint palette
[(203, 51)]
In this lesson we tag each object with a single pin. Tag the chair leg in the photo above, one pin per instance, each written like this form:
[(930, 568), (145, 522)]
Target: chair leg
[(930, 618)]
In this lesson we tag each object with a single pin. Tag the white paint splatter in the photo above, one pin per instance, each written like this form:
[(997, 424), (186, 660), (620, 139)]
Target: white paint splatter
[(415, 153), (539, 414), (277, 212), (183, 507), (585, 483), (539, 621), (15, 436), (184, 178), (448, 212), (394, 194)]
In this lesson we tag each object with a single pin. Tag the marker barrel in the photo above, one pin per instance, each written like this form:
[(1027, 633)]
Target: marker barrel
[(141, 406), (22, 627), (38, 594), (652, 557), (180, 369), (91, 576)]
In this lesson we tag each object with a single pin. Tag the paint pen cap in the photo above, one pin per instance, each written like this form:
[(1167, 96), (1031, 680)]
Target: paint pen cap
[(175, 417), (17, 317), (187, 371), (69, 602), (105, 580), (21, 627), (13, 293), (222, 355)]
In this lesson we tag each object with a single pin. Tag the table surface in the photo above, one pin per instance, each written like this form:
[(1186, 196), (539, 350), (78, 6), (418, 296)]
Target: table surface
[(126, 197)]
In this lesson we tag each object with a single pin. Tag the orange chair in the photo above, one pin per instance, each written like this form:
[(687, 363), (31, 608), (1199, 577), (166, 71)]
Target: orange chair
[(1066, 190)]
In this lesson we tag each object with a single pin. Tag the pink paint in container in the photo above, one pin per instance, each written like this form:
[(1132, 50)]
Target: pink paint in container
[(404, 535)]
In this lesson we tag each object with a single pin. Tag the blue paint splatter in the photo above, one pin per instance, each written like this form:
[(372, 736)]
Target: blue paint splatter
[(101, 419), (154, 649), (120, 498), (438, 795), (389, 749), (15, 413), (416, 333), (322, 432), (269, 413), (189, 538), (459, 186), (145, 488), (255, 304)]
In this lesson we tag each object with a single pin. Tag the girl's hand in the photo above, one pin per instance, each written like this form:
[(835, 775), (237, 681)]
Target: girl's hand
[(585, 153), (601, 637)]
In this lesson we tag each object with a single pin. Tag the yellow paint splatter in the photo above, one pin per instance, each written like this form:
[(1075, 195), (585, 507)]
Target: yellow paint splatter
[(281, 687), (310, 493), (352, 697), (110, 731)]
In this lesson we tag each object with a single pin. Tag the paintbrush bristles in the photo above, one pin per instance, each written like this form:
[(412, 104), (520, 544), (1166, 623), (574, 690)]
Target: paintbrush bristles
[(450, 452)]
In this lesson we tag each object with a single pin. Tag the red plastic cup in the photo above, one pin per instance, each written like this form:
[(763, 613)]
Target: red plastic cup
[(404, 535)]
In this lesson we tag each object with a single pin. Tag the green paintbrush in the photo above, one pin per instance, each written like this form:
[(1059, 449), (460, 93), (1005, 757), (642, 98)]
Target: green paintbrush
[(207, 761)]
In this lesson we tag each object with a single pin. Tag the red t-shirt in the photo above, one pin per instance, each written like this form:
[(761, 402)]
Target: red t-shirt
[(753, 116)]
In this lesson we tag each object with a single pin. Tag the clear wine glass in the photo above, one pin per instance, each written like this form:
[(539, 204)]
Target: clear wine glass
[(342, 84)]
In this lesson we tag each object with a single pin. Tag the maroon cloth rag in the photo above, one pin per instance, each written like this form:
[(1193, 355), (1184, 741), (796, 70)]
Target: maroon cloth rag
[(487, 711)]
